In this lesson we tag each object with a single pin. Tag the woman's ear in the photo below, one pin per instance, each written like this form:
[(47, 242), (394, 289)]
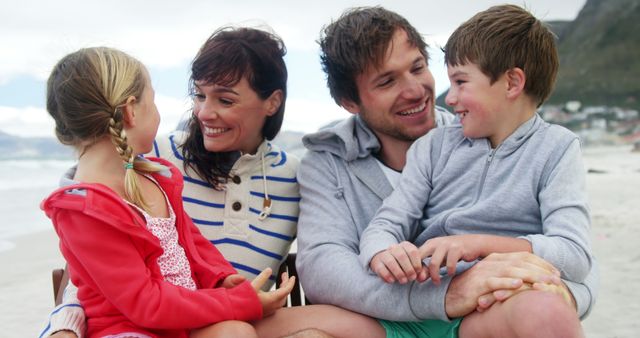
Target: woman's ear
[(274, 101), (516, 80), (128, 112)]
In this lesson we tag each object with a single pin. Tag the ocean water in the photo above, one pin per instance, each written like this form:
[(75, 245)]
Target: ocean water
[(23, 185)]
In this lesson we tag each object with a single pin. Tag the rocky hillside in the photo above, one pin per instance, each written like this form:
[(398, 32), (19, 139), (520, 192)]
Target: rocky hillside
[(599, 55)]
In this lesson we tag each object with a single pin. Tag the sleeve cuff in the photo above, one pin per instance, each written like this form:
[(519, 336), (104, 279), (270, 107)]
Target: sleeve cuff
[(427, 299), (370, 248), (66, 317)]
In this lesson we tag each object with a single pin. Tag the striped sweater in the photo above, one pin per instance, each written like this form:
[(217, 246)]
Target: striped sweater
[(230, 218)]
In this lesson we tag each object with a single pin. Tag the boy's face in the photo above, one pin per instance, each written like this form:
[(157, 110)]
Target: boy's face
[(478, 103), (397, 98)]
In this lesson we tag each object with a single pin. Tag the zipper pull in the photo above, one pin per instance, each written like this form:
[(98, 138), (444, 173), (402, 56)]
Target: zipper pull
[(493, 151)]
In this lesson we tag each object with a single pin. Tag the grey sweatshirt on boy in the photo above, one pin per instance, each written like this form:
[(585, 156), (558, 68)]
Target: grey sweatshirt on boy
[(342, 186), (531, 186)]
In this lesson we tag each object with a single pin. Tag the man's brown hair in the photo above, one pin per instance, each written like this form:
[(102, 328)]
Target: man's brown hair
[(357, 40)]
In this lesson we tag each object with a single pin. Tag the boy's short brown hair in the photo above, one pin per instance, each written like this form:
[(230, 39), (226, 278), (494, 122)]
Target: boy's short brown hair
[(357, 40), (504, 37)]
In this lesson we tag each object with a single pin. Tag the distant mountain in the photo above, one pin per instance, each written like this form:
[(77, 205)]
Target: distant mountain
[(15, 147), (599, 56)]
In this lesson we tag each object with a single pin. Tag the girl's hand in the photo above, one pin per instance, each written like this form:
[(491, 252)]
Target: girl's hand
[(232, 281), (401, 262), (272, 300)]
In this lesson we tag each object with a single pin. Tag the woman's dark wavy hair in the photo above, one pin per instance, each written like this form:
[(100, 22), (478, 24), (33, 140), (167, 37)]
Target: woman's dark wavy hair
[(225, 58)]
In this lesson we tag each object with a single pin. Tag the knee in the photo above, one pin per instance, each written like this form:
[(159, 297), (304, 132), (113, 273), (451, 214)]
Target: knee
[(310, 333), (229, 328), (235, 328), (543, 314)]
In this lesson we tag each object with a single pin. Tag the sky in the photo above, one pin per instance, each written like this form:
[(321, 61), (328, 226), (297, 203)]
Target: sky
[(165, 36)]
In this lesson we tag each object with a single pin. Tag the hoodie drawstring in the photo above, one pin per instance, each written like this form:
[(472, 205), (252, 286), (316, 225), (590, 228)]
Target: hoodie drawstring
[(266, 203)]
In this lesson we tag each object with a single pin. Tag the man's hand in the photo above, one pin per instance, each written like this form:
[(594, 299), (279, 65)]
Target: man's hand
[(64, 334), (506, 271), (401, 262), (560, 289), (272, 300), (549, 284)]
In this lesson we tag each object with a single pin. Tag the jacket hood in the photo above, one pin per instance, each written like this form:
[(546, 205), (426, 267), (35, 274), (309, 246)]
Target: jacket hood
[(101, 202), (348, 139), (351, 138)]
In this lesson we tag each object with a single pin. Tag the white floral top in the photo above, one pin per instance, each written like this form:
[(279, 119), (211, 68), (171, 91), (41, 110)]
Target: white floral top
[(173, 262)]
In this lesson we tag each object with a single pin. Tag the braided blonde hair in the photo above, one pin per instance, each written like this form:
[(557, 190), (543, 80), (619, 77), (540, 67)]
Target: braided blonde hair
[(86, 92)]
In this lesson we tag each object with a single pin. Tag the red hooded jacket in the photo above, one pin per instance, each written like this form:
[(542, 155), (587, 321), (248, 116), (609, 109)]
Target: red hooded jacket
[(112, 260)]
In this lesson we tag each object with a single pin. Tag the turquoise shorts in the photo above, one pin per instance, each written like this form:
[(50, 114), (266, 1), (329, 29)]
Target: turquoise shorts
[(429, 329)]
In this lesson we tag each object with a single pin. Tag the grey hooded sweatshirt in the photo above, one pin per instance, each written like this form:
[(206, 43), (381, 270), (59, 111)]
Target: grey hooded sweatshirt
[(341, 187)]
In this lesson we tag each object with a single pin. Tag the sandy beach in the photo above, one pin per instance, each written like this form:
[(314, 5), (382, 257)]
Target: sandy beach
[(614, 191)]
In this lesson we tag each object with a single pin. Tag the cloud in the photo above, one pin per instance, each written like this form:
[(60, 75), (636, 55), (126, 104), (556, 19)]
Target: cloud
[(305, 115), (165, 33), (172, 111), (26, 122)]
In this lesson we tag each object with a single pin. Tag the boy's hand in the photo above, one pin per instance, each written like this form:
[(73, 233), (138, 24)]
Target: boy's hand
[(450, 249), (272, 300), (401, 262), (232, 281)]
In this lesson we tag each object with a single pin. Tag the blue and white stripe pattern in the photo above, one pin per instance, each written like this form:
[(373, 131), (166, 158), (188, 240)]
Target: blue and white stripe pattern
[(229, 219)]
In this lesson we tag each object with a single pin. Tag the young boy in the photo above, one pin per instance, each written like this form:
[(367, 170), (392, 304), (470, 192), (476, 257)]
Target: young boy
[(502, 180)]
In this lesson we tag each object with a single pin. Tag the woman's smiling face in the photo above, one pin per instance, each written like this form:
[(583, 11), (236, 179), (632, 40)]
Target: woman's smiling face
[(231, 117)]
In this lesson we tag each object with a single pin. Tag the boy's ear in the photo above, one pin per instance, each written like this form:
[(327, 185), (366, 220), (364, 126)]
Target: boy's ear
[(273, 102), (516, 80), (350, 106), (128, 112)]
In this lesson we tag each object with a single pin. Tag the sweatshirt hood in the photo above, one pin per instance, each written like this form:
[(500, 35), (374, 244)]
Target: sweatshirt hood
[(351, 138), (99, 201), (348, 139)]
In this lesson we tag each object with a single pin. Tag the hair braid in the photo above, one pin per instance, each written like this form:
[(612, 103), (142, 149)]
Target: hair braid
[(119, 140)]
